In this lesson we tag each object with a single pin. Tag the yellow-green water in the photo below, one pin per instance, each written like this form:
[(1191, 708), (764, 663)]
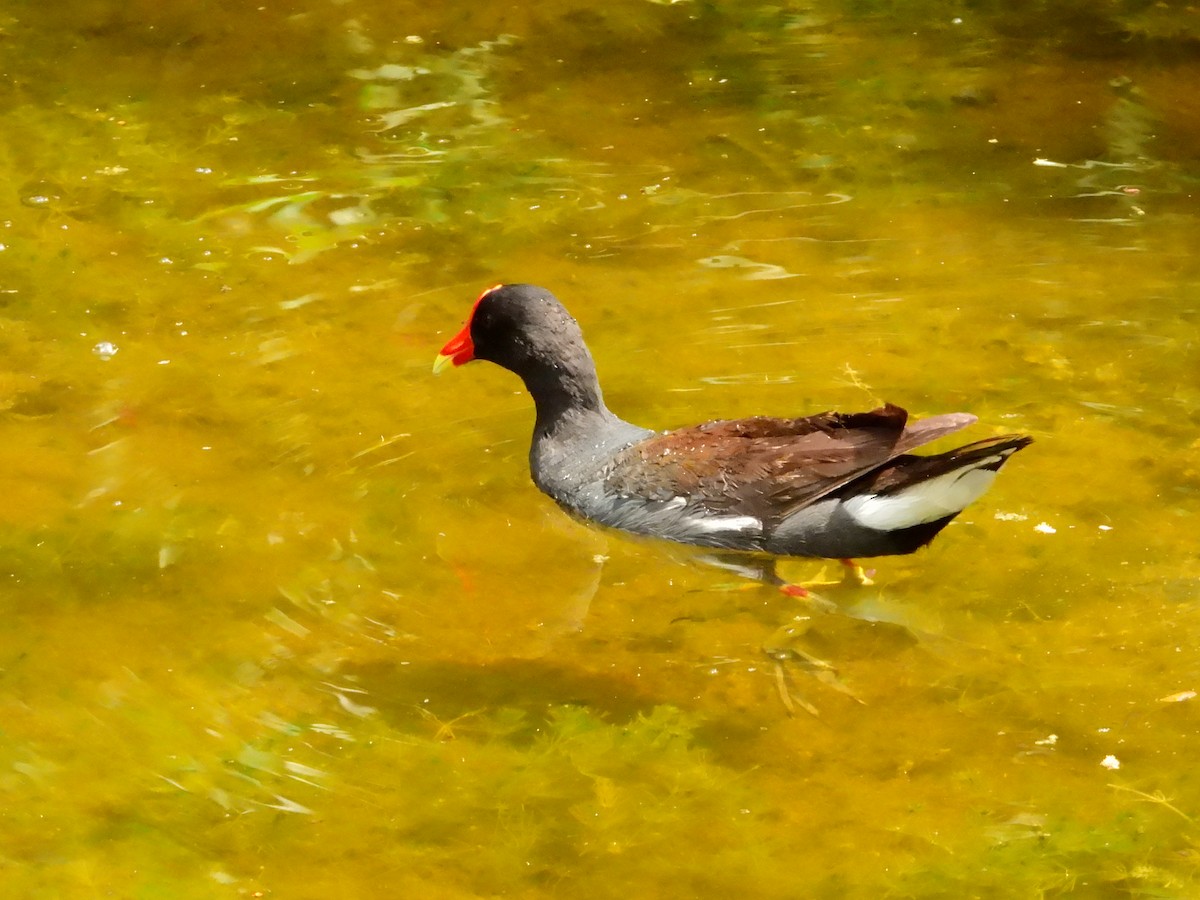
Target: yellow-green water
[(282, 615)]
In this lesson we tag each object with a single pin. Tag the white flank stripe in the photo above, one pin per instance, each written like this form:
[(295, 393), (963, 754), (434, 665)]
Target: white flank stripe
[(726, 523), (924, 502)]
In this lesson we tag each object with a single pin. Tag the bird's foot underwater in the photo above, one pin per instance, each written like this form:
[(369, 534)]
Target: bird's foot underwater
[(782, 646), (853, 573)]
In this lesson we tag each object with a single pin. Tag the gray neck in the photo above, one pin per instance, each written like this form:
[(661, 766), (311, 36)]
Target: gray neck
[(565, 399)]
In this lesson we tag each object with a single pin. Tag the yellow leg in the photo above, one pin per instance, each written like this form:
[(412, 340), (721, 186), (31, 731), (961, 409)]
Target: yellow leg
[(852, 573), (856, 573)]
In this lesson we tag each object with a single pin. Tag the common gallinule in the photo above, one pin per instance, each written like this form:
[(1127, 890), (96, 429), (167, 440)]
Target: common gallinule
[(835, 485)]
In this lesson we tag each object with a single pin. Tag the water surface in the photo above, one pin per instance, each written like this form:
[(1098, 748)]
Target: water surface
[(285, 616)]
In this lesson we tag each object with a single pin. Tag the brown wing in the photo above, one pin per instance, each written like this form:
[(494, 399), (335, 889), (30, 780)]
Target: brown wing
[(770, 467)]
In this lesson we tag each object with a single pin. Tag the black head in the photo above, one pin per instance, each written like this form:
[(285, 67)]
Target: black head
[(526, 330), (517, 326)]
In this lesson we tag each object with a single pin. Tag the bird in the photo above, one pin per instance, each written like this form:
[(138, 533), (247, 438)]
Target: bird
[(832, 485)]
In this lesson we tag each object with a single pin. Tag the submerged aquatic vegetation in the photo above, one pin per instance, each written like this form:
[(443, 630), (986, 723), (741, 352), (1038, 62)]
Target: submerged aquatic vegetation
[(281, 616)]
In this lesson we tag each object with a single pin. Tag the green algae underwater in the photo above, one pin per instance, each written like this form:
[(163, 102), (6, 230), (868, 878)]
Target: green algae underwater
[(284, 616)]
